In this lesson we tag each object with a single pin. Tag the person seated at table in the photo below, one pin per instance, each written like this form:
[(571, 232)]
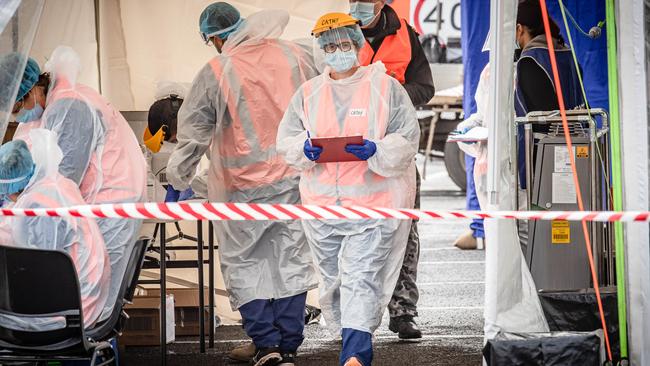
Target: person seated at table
[(32, 180)]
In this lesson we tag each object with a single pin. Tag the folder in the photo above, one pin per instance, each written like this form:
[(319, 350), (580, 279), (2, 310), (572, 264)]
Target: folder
[(334, 148)]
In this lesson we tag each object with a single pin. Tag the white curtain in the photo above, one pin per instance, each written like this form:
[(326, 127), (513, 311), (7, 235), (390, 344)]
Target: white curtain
[(511, 302)]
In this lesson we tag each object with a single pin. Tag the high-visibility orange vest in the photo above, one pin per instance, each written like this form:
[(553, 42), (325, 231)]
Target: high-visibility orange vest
[(243, 150), (347, 183), (394, 52)]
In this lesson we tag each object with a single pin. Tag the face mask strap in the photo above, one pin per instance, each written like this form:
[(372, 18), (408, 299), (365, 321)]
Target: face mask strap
[(14, 180), (225, 30)]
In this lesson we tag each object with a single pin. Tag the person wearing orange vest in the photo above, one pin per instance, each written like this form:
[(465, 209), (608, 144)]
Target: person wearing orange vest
[(394, 42), (358, 260), (100, 151), (234, 108), (30, 180)]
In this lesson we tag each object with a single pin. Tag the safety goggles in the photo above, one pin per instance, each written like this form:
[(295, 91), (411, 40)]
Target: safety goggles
[(344, 46), (205, 38)]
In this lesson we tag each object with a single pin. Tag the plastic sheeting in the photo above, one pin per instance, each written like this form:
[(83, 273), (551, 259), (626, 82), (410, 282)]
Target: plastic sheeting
[(18, 22), (577, 311), (545, 349), (511, 302)]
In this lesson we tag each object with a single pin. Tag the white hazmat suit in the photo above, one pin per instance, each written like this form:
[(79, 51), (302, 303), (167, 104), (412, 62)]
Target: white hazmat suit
[(79, 237), (359, 261), (234, 107)]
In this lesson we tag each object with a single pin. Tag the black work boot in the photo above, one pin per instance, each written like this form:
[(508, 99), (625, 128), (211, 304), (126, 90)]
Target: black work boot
[(405, 327), (267, 357), (288, 359)]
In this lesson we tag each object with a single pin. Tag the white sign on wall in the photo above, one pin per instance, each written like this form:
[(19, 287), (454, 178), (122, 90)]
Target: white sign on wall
[(441, 17)]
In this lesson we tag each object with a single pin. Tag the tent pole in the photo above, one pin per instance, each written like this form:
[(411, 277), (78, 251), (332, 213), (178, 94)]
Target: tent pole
[(615, 136), (99, 58)]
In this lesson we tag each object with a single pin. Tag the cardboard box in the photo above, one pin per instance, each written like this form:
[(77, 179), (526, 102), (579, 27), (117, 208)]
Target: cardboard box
[(143, 326), (186, 309)]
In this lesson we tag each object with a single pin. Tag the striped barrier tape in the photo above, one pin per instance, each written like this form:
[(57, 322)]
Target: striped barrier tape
[(265, 212)]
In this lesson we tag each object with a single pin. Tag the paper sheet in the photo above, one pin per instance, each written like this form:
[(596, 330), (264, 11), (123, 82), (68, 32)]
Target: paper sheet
[(476, 134)]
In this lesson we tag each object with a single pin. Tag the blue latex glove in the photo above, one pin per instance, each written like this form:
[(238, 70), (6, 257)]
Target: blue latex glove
[(187, 194), (172, 194), (363, 152), (312, 152)]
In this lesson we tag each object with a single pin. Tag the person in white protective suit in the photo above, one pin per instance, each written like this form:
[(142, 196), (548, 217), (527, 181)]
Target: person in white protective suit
[(359, 260), (31, 180), (234, 107), (100, 152), (479, 150)]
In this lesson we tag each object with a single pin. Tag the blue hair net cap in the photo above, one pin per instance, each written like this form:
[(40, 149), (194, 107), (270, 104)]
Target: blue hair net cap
[(16, 167), (354, 33), (219, 17), (30, 77)]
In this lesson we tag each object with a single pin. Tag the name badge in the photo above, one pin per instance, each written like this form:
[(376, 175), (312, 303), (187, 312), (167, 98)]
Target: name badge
[(357, 112)]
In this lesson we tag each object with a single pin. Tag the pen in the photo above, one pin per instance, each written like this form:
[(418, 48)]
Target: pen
[(310, 145)]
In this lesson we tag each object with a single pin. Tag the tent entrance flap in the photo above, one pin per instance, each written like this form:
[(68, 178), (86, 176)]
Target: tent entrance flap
[(511, 302)]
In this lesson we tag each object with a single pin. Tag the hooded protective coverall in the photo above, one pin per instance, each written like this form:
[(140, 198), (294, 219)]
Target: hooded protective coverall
[(100, 153), (79, 237), (359, 261), (234, 107)]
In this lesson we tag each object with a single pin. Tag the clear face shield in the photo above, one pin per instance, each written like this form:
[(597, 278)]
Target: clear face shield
[(338, 48)]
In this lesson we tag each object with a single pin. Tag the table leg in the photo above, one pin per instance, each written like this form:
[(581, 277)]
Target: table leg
[(199, 245), (163, 295), (211, 281), (427, 151)]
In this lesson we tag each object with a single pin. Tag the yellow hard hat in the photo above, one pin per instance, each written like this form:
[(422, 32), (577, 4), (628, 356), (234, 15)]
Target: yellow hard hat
[(331, 21), (154, 142)]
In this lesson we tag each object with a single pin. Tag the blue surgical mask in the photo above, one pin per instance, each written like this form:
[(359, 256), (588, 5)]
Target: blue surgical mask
[(29, 115), (342, 61), (365, 12)]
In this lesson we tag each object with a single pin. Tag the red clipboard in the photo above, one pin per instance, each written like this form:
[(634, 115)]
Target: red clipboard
[(334, 148)]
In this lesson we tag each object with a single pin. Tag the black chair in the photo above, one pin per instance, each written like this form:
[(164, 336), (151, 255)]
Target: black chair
[(44, 283), (112, 327)]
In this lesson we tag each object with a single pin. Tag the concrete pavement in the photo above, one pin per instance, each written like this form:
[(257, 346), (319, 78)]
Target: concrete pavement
[(451, 304)]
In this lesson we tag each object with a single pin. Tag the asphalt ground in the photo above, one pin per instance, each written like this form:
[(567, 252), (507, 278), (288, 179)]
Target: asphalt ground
[(451, 285)]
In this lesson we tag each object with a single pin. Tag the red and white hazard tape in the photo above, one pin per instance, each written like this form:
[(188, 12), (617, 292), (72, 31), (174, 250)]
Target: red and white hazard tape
[(264, 212)]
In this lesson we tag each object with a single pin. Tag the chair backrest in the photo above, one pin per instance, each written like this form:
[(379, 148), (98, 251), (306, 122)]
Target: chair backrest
[(111, 327), (39, 283)]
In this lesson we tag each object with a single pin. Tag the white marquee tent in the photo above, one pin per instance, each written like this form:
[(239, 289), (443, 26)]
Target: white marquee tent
[(142, 42)]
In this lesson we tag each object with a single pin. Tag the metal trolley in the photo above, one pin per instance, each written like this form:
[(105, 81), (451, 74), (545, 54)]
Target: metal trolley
[(555, 251)]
